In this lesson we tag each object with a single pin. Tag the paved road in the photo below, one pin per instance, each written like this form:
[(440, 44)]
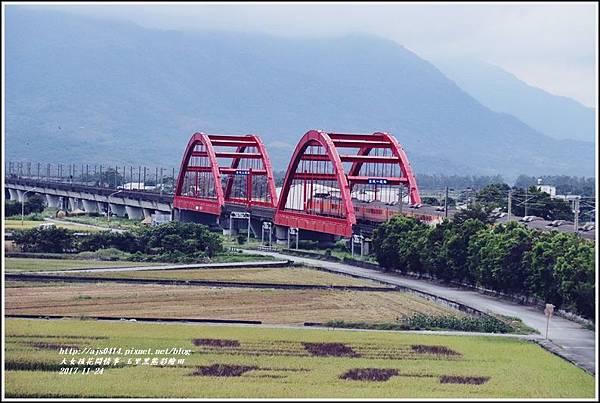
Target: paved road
[(570, 338)]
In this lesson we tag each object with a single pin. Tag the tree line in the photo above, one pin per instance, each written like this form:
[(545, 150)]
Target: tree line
[(565, 185), (529, 201), (34, 204), (554, 267), (174, 241)]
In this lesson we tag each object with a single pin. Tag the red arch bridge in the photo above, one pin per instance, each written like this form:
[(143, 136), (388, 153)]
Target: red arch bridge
[(336, 185)]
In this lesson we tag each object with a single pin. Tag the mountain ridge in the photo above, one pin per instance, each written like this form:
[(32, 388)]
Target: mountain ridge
[(133, 94)]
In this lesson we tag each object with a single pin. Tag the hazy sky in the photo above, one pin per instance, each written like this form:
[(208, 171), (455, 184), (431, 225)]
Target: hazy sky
[(548, 45)]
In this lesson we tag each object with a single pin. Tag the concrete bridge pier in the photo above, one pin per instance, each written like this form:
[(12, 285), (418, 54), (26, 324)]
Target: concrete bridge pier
[(281, 235), (148, 212), (74, 203), (210, 220), (134, 213), (255, 227), (118, 210), (102, 207), (53, 201), (21, 195), (90, 206), (14, 194)]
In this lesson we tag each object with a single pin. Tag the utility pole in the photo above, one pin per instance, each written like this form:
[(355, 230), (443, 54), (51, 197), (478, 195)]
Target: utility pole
[(526, 196), (446, 203), (576, 218), (401, 197), (509, 203)]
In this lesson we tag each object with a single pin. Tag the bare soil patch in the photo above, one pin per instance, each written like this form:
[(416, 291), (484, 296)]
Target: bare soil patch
[(330, 350), (225, 370), (369, 374)]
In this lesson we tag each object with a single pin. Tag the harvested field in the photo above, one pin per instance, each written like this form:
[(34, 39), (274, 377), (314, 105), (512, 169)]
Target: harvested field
[(273, 363), (18, 264), (285, 275), (267, 305)]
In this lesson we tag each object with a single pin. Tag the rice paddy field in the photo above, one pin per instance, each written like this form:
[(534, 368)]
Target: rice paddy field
[(285, 275), (275, 306), (177, 360), (32, 264)]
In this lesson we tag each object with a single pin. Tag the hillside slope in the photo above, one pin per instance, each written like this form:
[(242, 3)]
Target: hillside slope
[(91, 90)]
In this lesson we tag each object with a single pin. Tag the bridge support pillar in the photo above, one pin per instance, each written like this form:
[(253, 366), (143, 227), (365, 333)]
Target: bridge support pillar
[(118, 210), (53, 201), (102, 207), (366, 247), (148, 212), (74, 203), (21, 195), (134, 213), (255, 227), (14, 195), (90, 206), (281, 234)]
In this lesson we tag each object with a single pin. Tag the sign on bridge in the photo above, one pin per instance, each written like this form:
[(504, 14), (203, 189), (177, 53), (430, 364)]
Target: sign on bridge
[(378, 181), (240, 214)]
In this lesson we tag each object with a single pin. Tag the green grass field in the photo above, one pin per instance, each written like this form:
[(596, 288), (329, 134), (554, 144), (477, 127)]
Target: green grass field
[(102, 221), (250, 275), (29, 264), (246, 362)]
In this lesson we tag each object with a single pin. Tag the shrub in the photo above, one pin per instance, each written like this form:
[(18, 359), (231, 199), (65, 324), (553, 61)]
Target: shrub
[(48, 240)]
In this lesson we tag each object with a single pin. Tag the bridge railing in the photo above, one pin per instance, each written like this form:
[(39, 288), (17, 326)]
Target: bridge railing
[(128, 177)]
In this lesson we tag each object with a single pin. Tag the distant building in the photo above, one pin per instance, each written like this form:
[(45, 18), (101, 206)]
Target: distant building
[(551, 190)]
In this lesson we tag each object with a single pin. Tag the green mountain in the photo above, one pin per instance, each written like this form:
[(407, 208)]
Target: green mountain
[(89, 90), (557, 116)]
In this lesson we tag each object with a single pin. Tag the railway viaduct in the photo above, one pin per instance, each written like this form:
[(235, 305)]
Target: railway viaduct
[(336, 185)]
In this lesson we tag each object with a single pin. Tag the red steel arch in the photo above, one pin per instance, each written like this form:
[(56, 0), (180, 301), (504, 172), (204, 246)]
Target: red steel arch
[(210, 170), (377, 149)]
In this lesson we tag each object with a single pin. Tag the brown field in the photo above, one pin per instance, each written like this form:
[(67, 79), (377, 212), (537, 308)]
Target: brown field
[(252, 275), (267, 305)]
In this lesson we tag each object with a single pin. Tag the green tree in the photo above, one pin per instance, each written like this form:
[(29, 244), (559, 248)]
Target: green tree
[(35, 204), (499, 258), (493, 196), (398, 244), (45, 240), (476, 211), (575, 271), (540, 204)]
